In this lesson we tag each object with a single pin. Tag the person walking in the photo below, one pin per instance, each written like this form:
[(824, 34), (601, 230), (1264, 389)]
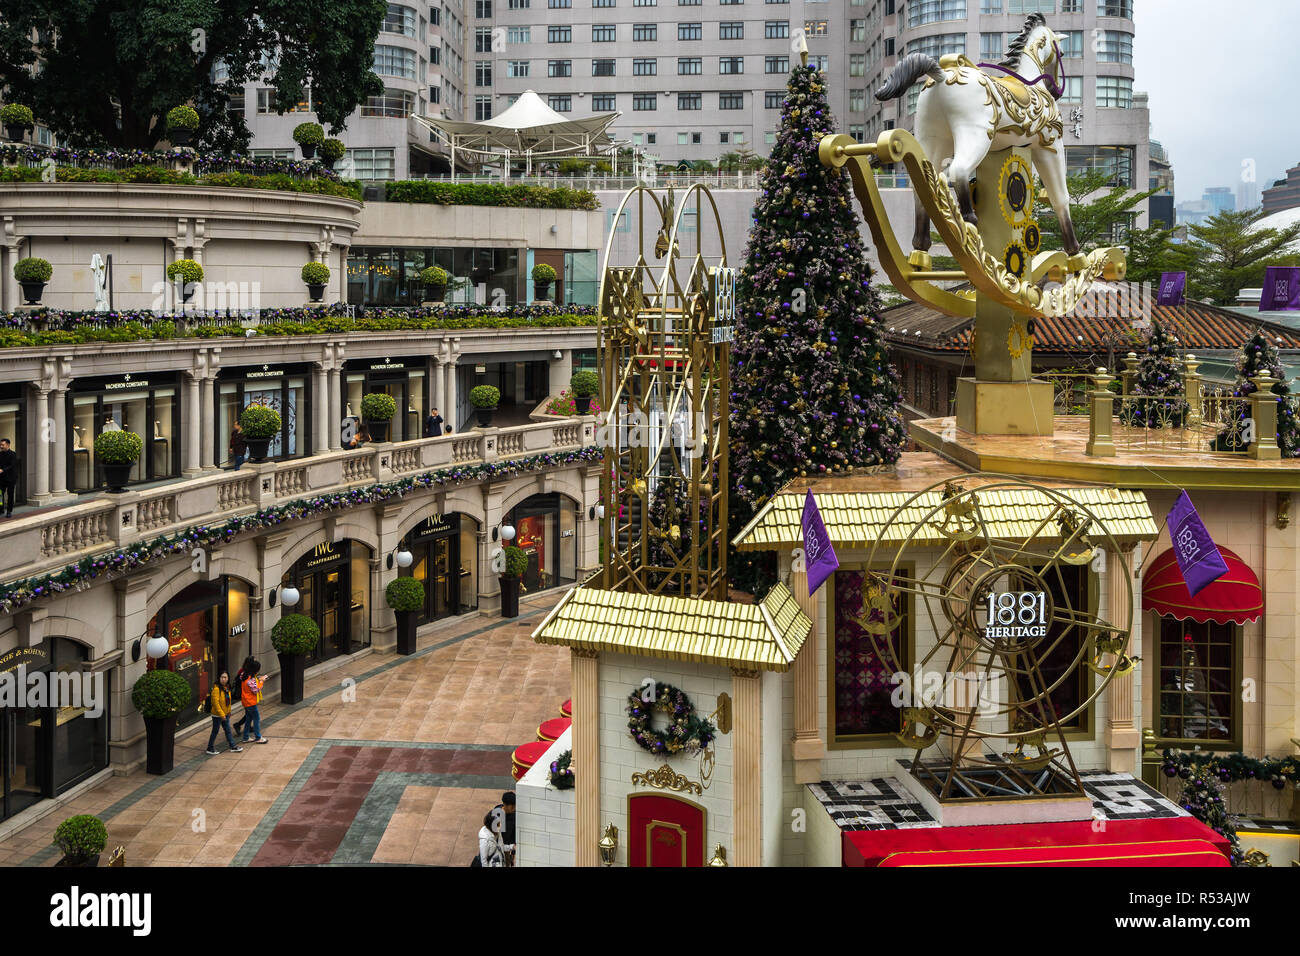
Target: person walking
[(251, 694), (433, 425), (219, 708), (238, 445), (245, 672), (8, 476), (489, 847), (507, 808)]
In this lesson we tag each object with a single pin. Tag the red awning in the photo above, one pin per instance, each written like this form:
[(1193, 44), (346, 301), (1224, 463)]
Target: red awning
[(1155, 853), (1233, 599)]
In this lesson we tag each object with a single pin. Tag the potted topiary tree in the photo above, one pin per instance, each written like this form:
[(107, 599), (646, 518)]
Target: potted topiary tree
[(543, 276), (331, 151), (182, 121), (81, 838), (435, 283), (260, 425), (485, 399), (316, 275), (294, 636), (377, 410), (17, 119), (308, 136), (117, 452), (159, 696), (584, 385), (406, 597), (187, 274), (32, 274), (516, 565)]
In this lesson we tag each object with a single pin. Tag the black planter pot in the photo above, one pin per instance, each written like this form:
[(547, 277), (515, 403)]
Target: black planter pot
[(327, 163), (257, 448), (292, 667), (180, 137), (32, 292), (405, 632), (378, 430), (541, 290), (160, 744), (89, 861), (15, 133), (484, 416), (308, 150), (435, 293), (316, 290), (509, 596), (582, 403), (116, 477)]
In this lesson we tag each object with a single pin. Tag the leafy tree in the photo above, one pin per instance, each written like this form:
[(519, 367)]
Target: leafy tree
[(1227, 253), (813, 392), (1149, 254), (105, 72), (1258, 356), (1097, 221)]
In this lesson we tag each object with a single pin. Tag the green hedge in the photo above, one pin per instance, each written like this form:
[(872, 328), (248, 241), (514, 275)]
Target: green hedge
[(485, 396), (160, 175), (295, 634), (259, 421), (489, 194), (405, 594), (160, 694), (182, 117), (315, 272), (118, 447), (33, 270), (516, 562), (81, 838), (378, 407)]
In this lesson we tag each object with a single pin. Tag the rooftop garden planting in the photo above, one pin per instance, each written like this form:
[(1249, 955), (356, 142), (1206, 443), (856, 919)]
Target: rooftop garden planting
[(489, 194)]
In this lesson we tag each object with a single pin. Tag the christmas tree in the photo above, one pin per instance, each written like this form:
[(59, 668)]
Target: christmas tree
[(813, 392), (1159, 385), (1259, 356)]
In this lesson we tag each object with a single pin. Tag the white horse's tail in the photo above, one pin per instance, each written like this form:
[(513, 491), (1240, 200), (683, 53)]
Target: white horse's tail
[(909, 69)]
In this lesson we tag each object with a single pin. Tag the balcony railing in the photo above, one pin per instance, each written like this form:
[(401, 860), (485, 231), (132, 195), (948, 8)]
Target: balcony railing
[(746, 180), (42, 542)]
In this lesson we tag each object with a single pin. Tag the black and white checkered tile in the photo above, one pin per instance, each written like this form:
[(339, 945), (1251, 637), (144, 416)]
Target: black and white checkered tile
[(883, 803), (1265, 826)]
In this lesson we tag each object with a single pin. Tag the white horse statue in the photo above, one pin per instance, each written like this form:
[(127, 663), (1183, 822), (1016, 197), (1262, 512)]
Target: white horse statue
[(963, 114)]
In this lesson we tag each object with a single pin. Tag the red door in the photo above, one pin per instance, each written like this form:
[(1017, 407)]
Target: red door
[(665, 831)]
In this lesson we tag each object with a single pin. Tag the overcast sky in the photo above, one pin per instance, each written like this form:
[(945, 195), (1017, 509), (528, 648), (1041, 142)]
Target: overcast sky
[(1222, 81)]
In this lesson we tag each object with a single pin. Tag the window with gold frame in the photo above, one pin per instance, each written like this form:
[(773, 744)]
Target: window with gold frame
[(1196, 681)]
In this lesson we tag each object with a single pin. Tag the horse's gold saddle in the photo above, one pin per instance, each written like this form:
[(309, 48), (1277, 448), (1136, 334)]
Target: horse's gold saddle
[(1014, 88)]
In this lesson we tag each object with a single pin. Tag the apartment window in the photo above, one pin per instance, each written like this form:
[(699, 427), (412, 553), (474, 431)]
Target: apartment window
[(858, 31), (772, 99), (603, 103), (689, 66), (435, 55), (991, 46), (559, 4), (777, 1), (1115, 8), (724, 138), (932, 11), (913, 94), (1072, 45), (990, 6), (519, 4), (482, 108), (731, 64), (1073, 90), (483, 73), (643, 101), (731, 101), (394, 61), (646, 67), (820, 61), (1115, 47), (603, 34), (858, 131), (373, 164), (651, 138), (645, 32), (435, 94), (561, 103), (814, 28), (690, 101), (268, 153), (1115, 92), (776, 29), (688, 3), (516, 68), (603, 67), (857, 101), (645, 3), (392, 103), (400, 20), (689, 139), (1072, 6), (519, 34), (690, 31), (857, 64), (731, 30), (266, 101), (889, 46), (559, 34), (435, 13), (482, 39), (730, 3), (603, 3), (559, 68), (776, 64), (1031, 6), (1116, 160), (482, 9), (939, 44), (234, 104)]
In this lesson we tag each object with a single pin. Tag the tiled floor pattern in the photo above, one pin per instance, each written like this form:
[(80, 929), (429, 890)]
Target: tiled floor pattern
[(394, 757)]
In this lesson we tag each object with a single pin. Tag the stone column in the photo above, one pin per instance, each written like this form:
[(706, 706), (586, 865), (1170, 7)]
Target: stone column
[(1123, 737), (193, 425), (587, 824), (449, 411), (561, 370), (1101, 442), (10, 291), (335, 413), (1263, 410), (746, 793), (320, 401), (41, 479), (438, 388), (807, 748), (59, 416), (208, 421)]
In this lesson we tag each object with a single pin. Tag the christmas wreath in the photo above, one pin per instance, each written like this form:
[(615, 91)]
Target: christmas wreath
[(686, 730), (561, 772)]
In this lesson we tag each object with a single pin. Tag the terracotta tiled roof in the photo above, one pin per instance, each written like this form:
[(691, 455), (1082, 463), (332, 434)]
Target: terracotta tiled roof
[(1198, 326)]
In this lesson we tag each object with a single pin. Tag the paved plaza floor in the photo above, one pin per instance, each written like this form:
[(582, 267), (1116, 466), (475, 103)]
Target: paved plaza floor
[(401, 775)]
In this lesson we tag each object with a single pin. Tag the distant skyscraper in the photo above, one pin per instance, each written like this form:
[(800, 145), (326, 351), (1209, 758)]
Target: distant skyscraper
[(1284, 193), (1247, 195), (1220, 199)]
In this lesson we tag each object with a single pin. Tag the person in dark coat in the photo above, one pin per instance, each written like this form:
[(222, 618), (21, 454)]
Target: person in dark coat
[(8, 476), (238, 445), (433, 425)]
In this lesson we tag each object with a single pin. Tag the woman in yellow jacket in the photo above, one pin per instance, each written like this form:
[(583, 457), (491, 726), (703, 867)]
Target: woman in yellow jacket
[(219, 707)]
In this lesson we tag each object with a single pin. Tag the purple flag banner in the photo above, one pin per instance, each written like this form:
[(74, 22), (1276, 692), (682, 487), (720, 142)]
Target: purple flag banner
[(1281, 289), (1198, 556), (819, 556), (1172, 285)]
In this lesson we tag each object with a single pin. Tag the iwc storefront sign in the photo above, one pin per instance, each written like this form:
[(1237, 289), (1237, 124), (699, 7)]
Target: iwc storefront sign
[(1015, 615)]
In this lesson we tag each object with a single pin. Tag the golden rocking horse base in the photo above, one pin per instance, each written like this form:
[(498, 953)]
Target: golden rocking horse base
[(1004, 408)]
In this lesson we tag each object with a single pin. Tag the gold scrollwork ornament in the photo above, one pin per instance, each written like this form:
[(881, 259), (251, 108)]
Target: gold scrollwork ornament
[(665, 777)]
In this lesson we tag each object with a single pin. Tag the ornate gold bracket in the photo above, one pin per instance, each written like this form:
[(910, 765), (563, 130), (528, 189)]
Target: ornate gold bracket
[(666, 778)]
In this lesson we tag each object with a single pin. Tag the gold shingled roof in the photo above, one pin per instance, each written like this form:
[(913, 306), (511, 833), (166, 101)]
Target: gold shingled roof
[(764, 636), (858, 519)]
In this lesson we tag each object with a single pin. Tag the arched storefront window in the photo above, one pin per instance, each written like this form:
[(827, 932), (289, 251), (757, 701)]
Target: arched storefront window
[(546, 529), (333, 582), (445, 552)]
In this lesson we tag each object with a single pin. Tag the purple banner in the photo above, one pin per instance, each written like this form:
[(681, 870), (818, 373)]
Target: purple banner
[(1198, 556), (819, 556), (1171, 288), (1281, 289)]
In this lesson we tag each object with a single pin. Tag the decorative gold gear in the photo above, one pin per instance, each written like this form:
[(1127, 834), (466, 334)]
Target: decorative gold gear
[(1015, 260), (1016, 191), (1033, 238), (1018, 340)]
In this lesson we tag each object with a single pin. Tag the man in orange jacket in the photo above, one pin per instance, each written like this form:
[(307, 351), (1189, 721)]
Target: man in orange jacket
[(251, 694)]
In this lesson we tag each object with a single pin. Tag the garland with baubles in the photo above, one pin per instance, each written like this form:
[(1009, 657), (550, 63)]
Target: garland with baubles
[(686, 731), (1229, 768), (562, 772), (78, 576)]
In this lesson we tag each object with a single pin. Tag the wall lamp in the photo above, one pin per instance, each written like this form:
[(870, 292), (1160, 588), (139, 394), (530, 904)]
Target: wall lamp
[(507, 533), (608, 845), (156, 648), (719, 856), (289, 596), (402, 557), (596, 511)]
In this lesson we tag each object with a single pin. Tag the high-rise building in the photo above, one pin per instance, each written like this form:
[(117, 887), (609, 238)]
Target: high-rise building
[(1284, 193), (1248, 194), (1221, 199)]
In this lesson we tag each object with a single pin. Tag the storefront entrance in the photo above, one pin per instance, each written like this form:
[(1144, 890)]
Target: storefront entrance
[(403, 380), (22, 736), (146, 406), (333, 582), (446, 554), (545, 530)]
